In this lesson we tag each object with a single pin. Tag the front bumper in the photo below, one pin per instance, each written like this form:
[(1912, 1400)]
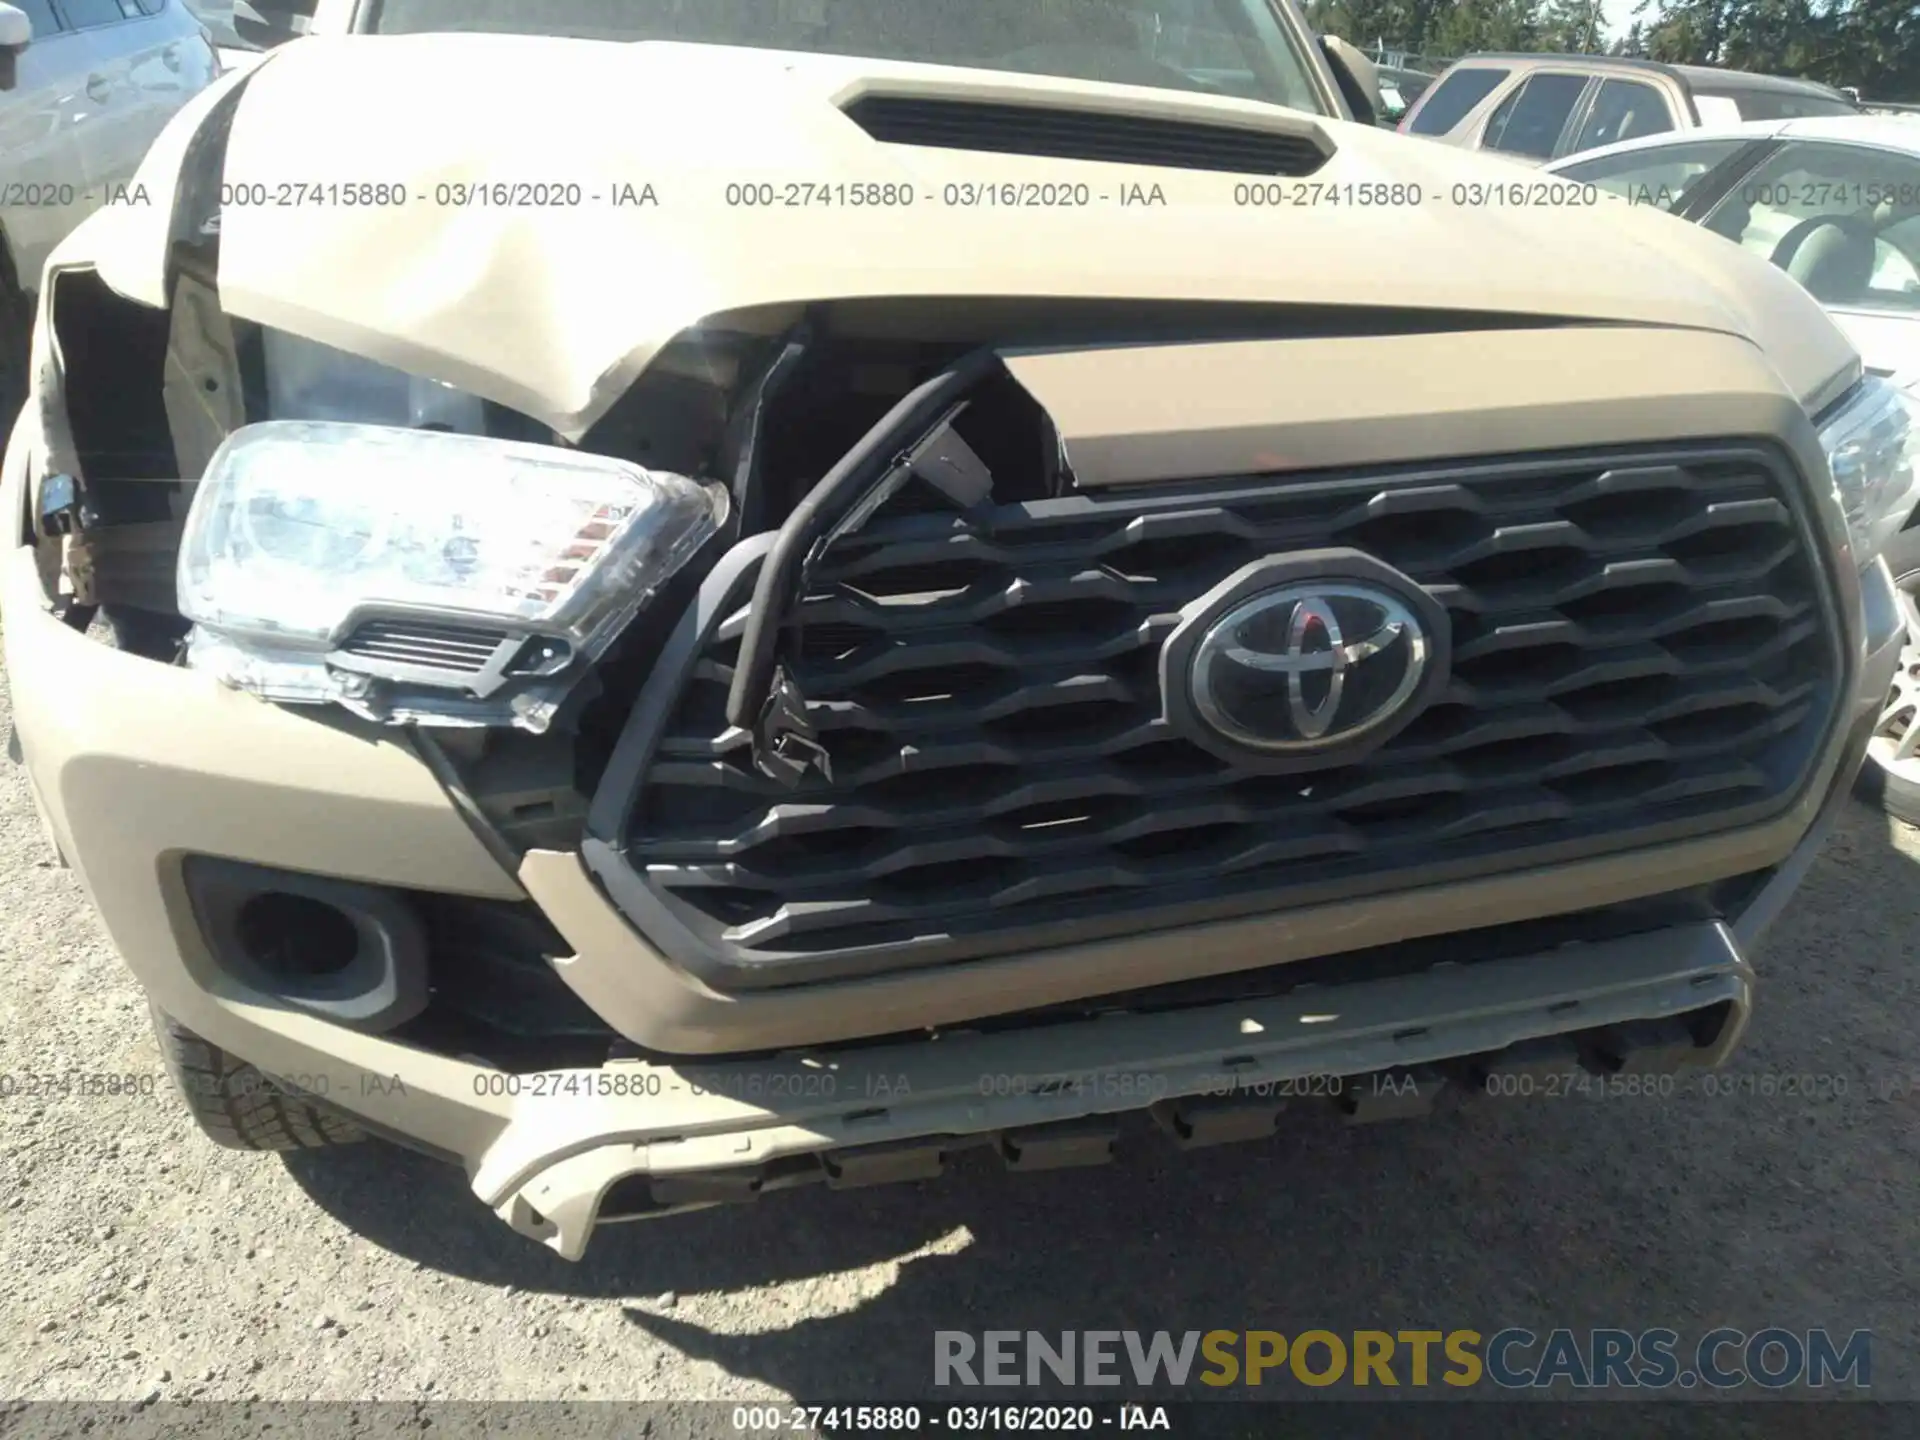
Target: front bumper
[(896, 1112), (136, 766)]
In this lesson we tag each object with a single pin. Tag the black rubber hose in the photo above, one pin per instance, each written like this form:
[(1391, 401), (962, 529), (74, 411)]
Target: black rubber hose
[(434, 756), (837, 492)]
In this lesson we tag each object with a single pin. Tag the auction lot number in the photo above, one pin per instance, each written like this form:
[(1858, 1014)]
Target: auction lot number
[(831, 1417)]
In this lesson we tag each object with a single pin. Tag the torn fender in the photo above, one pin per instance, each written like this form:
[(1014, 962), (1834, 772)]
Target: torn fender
[(130, 240)]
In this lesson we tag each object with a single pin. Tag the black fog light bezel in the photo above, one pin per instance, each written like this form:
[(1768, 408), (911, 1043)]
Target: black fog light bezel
[(382, 986)]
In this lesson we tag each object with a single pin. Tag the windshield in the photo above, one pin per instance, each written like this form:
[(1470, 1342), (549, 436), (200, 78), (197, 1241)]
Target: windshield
[(1225, 47)]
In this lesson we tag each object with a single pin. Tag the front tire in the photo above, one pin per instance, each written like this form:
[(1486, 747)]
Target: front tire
[(236, 1106)]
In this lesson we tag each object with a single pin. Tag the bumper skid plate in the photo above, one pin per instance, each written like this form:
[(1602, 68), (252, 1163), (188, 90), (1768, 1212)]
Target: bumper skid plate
[(1045, 1096)]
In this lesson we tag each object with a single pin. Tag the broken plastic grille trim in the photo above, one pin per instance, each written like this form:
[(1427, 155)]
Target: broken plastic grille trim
[(1645, 649)]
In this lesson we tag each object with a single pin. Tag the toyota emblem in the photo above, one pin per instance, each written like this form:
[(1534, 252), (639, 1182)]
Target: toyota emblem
[(1308, 672)]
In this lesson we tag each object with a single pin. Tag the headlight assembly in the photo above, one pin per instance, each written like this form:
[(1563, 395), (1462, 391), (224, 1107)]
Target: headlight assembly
[(1873, 450), (421, 575)]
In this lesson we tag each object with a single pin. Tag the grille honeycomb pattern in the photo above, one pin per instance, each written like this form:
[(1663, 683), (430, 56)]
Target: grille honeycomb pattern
[(1641, 649)]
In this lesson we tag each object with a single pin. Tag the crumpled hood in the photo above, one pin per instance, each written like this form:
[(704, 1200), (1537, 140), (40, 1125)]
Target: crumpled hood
[(554, 309)]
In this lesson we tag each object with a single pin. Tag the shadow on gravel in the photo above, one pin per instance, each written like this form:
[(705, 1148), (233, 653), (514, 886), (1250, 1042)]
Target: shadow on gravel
[(1743, 1206)]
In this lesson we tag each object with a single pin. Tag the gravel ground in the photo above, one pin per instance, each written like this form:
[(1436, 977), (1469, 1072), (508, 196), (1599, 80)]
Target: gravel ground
[(137, 1260)]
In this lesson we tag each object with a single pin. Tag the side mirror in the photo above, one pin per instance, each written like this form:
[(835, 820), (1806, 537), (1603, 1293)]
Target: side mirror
[(1359, 81), (267, 23), (16, 33)]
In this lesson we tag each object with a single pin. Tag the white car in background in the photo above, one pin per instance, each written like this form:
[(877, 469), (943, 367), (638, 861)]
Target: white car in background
[(85, 85), (1835, 202)]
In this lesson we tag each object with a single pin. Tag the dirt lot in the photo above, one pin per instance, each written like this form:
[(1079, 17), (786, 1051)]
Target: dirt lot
[(137, 1260)]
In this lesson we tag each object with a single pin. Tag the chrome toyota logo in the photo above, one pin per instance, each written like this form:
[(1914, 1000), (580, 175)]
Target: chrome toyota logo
[(1309, 667)]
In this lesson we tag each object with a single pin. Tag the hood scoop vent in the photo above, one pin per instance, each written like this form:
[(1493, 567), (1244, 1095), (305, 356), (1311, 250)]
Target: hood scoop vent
[(1061, 134)]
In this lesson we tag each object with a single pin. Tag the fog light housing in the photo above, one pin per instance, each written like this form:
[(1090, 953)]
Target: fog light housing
[(296, 937), (351, 953)]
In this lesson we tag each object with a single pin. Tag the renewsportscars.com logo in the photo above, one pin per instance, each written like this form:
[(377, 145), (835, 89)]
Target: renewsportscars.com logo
[(1774, 1358)]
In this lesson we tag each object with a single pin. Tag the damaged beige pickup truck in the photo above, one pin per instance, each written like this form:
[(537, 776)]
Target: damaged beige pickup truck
[(663, 621)]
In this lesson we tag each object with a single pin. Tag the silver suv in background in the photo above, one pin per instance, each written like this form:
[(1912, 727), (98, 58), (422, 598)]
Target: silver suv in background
[(1535, 108), (85, 85)]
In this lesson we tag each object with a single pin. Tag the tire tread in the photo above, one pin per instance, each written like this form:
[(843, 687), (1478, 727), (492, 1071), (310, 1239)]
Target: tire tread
[(238, 1107)]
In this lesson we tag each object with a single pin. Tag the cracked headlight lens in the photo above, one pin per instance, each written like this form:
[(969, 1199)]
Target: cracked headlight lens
[(300, 531), (1873, 450)]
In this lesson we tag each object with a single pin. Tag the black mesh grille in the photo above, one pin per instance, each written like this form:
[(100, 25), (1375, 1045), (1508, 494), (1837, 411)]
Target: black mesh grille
[(1084, 135), (1641, 651)]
